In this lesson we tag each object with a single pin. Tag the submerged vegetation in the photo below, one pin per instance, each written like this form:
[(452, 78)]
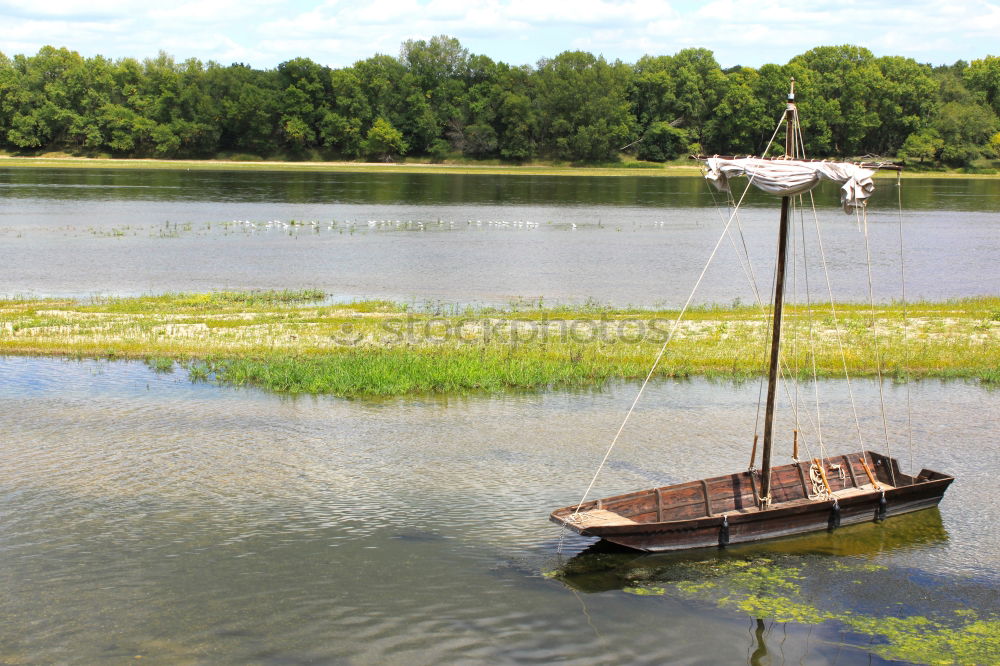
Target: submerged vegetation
[(779, 589), (298, 342), (438, 102)]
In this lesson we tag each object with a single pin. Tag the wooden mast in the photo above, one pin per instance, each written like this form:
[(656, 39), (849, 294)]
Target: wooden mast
[(779, 292)]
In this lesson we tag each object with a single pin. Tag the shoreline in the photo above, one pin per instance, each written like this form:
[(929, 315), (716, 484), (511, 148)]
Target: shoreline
[(286, 343), (153, 164), (641, 170)]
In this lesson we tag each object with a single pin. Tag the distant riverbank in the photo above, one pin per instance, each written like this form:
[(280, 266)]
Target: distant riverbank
[(637, 169), (290, 342), (646, 169)]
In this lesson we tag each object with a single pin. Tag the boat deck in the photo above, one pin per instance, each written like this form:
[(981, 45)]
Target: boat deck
[(838, 494), (605, 518), (599, 518)]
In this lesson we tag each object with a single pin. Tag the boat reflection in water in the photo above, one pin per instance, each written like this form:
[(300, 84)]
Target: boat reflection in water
[(605, 566)]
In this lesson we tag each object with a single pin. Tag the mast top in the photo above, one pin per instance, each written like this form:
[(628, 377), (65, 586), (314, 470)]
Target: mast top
[(791, 91)]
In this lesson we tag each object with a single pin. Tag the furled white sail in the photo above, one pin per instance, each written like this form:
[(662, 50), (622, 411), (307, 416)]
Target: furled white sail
[(788, 177)]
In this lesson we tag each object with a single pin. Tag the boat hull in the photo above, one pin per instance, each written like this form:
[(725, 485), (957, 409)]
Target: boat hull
[(724, 510)]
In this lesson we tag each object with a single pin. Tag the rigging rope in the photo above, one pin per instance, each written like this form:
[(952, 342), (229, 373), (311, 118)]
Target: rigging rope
[(836, 324), (766, 312), (656, 362), (748, 272), (812, 341), (906, 324), (797, 146), (670, 336), (794, 329), (878, 355), (809, 313)]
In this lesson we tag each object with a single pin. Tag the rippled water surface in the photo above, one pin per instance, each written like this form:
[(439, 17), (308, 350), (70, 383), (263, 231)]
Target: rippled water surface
[(145, 515), (464, 238)]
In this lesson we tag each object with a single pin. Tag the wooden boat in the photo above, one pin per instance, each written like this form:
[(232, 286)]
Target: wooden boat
[(821, 494), (724, 509)]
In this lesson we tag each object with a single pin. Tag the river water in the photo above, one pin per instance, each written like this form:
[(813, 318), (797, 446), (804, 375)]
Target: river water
[(147, 515), (143, 515), (468, 239)]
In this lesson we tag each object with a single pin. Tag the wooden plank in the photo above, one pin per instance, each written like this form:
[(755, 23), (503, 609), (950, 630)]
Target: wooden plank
[(708, 499), (600, 518), (753, 485), (802, 478), (850, 470)]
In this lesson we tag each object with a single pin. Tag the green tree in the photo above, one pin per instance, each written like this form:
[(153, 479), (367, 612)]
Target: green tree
[(439, 70), (381, 78), (902, 100), (342, 134), (741, 122), (686, 90), (384, 141), (436, 98), (965, 130), (923, 145), (480, 140), (661, 142), (350, 112), (43, 106), (836, 84), (994, 144), (196, 115), (983, 77), (303, 102), (517, 116), (585, 113), (249, 118), (652, 93), (699, 85)]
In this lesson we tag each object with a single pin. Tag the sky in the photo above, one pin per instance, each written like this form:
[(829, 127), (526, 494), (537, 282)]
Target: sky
[(264, 33)]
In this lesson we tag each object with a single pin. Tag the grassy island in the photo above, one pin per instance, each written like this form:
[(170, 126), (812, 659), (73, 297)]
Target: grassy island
[(297, 342)]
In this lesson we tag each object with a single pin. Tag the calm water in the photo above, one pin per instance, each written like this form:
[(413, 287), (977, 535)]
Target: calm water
[(145, 515), (454, 238), (141, 514)]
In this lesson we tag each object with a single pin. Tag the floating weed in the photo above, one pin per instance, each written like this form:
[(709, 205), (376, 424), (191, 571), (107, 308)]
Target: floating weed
[(199, 372), (645, 591), (964, 638), (160, 364), (691, 588), (867, 568), (780, 609), (762, 589)]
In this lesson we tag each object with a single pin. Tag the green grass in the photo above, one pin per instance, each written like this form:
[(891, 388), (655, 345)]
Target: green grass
[(296, 342), (410, 166), (160, 364), (215, 300)]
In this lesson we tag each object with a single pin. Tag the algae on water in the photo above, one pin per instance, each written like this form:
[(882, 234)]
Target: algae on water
[(768, 589)]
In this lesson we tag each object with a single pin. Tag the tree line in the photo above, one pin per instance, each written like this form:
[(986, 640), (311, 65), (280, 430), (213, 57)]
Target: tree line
[(438, 100)]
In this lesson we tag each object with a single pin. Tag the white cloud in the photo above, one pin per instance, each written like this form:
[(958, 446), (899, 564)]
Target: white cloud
[(339, 32), (68, 9), (218, 12)]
